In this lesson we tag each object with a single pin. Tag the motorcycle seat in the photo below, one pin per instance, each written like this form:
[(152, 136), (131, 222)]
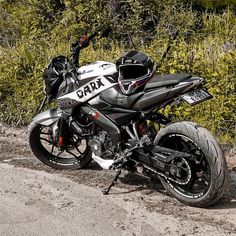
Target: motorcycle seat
[(165, 80)]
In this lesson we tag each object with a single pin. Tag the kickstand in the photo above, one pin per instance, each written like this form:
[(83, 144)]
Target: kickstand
[(106, 190)]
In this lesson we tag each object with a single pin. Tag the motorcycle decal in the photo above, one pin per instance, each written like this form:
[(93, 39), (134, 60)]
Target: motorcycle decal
[(89, 90), (66, 102)]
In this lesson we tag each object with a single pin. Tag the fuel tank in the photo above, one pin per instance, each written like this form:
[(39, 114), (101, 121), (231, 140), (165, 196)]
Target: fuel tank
[(98, 68)]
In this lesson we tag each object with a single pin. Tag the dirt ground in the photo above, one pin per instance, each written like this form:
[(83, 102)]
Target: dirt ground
[(37, 200)]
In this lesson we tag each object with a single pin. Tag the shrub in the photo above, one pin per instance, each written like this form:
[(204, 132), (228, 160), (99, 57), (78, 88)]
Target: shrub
[(36, 31)]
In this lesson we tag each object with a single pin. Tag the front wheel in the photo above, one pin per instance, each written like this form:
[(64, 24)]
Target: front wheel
[(76, 154), (201, 180)]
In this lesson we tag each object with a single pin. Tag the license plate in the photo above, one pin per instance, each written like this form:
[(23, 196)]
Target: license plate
[(196, 96)]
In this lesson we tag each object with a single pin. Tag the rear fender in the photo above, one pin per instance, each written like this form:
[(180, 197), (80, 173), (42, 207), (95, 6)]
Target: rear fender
[(192, 82), (48, 117), (184, 87)]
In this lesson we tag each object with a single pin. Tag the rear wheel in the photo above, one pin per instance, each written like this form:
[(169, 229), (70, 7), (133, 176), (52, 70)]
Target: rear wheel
[(202, 179), (75, 155)]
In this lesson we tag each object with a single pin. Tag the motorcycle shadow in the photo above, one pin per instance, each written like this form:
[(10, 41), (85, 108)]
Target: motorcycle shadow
[(228, 200), (131, 181), (134, 182), (138, 183)]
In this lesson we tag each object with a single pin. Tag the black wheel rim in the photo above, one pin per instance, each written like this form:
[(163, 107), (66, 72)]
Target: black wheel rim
[(200, 180), (71, 155)]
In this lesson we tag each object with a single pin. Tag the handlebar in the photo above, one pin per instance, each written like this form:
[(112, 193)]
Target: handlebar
[(93, 35), (83, 42), (79, 45)]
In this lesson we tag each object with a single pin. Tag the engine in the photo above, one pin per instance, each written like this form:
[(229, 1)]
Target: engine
[(101, 145)]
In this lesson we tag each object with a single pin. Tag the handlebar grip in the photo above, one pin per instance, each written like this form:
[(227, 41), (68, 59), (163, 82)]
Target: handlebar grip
[(84, 41), (79, 45), (92, 36)]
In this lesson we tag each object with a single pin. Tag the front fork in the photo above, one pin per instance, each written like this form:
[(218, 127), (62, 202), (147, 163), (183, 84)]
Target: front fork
[(62, 132)]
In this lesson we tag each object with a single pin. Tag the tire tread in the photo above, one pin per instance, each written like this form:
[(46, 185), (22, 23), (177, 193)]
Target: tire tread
[(215, 157)]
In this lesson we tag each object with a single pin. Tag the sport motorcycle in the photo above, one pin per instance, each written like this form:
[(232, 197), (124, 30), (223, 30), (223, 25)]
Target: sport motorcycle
[(110, 113)]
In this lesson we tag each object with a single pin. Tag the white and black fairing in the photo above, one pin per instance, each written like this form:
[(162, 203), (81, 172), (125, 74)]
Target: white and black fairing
[(91, 81), (95, 69)]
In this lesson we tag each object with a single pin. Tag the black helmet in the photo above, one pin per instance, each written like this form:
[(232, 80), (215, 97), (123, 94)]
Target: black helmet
[(53, 76), (135, 68)]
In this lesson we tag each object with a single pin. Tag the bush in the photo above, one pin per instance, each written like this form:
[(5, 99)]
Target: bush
[(34, 32)]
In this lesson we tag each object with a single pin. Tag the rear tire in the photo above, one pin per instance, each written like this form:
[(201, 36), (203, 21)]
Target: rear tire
[(48, 158), (213, 156)]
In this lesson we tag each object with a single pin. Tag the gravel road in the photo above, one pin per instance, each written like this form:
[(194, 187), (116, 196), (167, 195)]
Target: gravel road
[(36, 200)]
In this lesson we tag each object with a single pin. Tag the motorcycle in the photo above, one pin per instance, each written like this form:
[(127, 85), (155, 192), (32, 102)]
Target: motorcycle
[(110, 113)]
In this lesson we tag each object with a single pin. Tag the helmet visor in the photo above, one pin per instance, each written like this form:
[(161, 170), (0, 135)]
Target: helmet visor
[(132, 71)]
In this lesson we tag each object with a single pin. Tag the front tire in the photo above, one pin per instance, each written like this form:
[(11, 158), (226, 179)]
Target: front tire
[(43, 146), (209, 172)]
